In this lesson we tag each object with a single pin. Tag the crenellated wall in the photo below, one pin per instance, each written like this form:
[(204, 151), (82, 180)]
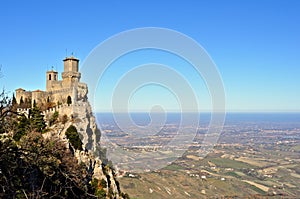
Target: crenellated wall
[(64, 109)]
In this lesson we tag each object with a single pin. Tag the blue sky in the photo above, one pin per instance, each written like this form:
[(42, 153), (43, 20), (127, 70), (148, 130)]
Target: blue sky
[(255, 44)]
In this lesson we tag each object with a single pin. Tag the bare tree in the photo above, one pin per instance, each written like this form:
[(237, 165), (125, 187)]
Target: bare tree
[(8, 114)]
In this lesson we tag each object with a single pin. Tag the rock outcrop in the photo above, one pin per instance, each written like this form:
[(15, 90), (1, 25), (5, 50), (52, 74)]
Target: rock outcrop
[(80, 115)]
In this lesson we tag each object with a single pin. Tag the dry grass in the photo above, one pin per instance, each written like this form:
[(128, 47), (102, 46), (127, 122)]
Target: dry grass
[(260, 186)]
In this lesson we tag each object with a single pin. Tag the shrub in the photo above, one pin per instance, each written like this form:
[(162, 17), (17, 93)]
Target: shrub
[(37, 119), (64, 119), (21, 128), (73, 137), (53, 118)]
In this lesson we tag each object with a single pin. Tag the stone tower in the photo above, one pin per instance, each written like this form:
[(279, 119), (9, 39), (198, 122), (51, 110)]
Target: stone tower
[(51, 76), (71, 76)]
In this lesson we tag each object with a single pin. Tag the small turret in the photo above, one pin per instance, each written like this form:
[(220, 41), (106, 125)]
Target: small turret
[(51, 76)]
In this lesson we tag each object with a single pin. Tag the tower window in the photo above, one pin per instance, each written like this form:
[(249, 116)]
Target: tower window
[(49, 76), (54, 77), (69, 100)]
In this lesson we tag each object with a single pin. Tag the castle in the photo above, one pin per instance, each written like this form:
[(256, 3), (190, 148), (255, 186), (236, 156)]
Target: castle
[(58, 92), (68, 97)]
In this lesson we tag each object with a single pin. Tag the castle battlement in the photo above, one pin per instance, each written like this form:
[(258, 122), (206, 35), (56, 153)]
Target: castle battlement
[(64, 108), (24, 111)]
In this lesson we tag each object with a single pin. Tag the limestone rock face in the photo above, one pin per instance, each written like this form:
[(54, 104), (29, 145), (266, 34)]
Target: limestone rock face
[(80, 115), (85, 122), (99, 171)]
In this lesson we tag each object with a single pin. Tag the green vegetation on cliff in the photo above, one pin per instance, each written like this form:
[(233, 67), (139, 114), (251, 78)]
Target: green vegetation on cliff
[(32, 166), (35, 167), (73, 137)]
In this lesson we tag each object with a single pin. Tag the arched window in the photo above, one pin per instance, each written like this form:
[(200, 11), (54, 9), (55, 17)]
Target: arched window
[(54, 77), (49, 76), (69, 100)]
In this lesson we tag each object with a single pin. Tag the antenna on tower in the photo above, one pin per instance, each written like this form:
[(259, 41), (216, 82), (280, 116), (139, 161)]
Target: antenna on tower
[(66, 52)]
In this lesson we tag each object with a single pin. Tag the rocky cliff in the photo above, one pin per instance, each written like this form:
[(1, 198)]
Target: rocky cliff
[(80, 115)]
